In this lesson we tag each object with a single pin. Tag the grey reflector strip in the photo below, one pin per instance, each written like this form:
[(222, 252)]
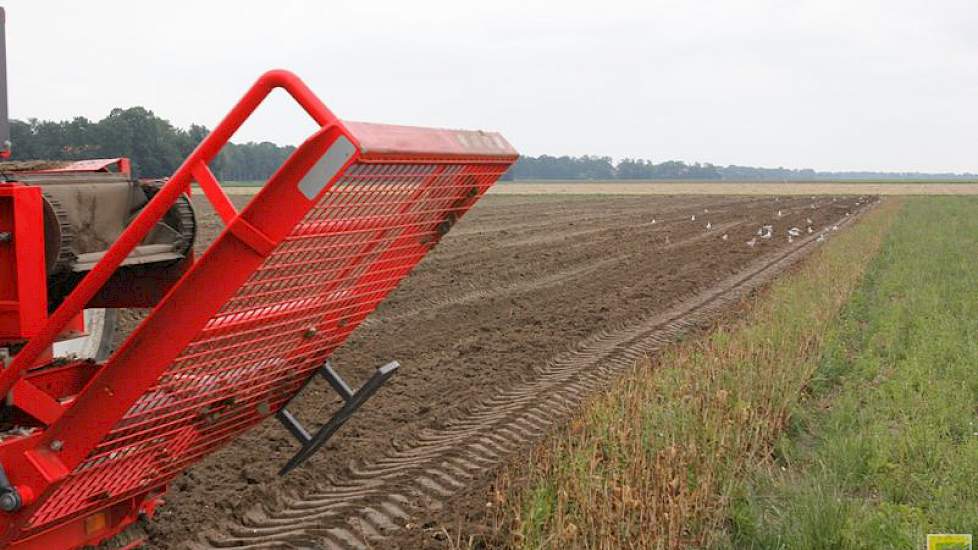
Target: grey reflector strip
[(336, 156)]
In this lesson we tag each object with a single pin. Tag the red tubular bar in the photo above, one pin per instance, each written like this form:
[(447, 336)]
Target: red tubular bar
[(157, 207), (335, 229)]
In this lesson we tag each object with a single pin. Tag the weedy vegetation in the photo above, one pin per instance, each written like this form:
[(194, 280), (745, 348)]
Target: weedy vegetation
[(661, 460)]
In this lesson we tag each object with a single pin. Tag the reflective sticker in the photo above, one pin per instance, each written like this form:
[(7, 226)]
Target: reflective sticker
[(336, 156)]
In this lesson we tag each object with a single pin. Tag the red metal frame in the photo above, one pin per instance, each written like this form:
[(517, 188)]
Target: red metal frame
[(334, 230), (23, 292)]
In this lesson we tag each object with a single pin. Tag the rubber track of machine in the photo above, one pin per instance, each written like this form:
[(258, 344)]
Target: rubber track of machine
[(66, 237)]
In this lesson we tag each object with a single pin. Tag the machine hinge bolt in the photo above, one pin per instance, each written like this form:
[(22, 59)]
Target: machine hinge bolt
[(57, 445), (10, 501)]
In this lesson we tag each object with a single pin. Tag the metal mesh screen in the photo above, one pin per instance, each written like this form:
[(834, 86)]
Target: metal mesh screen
[(350, 250)]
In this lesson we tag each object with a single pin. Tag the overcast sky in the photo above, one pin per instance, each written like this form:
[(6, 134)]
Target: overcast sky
[(824, 84)]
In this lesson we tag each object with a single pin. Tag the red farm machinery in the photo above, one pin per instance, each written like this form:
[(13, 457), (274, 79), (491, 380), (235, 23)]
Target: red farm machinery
[(89, 439)]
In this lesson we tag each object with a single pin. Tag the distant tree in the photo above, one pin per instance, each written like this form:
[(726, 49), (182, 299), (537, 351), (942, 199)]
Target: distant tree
[(251, 161), (153, 143), (155, 146), (562, 168), (635, 169)]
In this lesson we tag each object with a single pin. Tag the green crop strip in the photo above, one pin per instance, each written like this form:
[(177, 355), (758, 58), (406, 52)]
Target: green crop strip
[(886, 451)]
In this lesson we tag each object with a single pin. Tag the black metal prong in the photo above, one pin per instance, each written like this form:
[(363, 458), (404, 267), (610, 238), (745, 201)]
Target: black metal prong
[(335, 380), (292, 424), (352, 404)]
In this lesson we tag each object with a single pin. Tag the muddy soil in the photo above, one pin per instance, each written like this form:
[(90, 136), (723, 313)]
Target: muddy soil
[(517, 281)]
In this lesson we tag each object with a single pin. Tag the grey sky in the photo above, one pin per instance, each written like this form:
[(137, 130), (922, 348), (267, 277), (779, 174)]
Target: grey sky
[(826, 84)]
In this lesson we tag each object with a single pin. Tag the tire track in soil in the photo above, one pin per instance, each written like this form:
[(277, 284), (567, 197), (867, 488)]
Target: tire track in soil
[(377, 498)]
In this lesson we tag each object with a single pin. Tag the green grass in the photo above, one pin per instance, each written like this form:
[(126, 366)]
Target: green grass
[(886, 448), (658, 460)]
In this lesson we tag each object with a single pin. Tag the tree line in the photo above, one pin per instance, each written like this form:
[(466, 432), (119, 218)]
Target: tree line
[(157, 148), (589, 167)]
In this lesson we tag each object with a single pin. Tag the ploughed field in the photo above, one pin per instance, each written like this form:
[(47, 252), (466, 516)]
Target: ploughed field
[(519, 281)]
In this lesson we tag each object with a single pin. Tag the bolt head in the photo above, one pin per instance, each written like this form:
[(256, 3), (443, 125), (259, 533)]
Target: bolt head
[(57, 445), (10, 501)]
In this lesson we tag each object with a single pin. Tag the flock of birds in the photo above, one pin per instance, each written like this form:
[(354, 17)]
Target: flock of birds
[(766, 232)]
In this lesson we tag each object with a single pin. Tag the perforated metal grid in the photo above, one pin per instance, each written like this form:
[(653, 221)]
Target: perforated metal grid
[(350, 250)]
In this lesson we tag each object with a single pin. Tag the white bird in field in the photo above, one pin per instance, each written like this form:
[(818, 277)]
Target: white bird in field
[(709, 226), (790, 239), (706, 210), (724, 237), (794, 232), (766, 231), (821, 237), (835, 228), (808, 221), (810, 230), (779, 213), (692, 218), (653, 221), (752, 242)]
